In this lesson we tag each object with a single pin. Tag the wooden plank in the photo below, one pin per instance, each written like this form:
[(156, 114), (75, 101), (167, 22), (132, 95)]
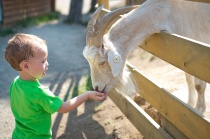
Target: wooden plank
[(204, 1), (21, 10), (171, 129), (7, 2), (177, 112), (23, 6), (18, 10), (38, 13), (138, 117), (132, 2), (104, 2), (17, 4), (13, 19), (12, 13), (186, 54)]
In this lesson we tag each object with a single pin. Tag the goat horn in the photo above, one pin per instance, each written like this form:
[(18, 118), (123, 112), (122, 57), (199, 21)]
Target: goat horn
[(91, 24), (96, 28), (108, 18), (94, 18)]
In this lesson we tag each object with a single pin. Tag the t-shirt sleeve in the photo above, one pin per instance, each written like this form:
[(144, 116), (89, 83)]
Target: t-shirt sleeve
[(50, 102)]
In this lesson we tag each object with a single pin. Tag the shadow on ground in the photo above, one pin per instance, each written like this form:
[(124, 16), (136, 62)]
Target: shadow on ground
[(67, 67)]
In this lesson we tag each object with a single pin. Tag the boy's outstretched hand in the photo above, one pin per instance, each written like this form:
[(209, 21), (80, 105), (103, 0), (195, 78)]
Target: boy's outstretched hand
[(73, 103), (96, 95)]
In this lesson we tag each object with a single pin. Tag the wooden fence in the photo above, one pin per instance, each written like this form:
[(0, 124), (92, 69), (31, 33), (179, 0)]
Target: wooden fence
[(180, 120), (16, 10)]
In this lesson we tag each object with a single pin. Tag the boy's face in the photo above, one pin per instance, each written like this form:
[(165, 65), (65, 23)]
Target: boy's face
[(38, 65)]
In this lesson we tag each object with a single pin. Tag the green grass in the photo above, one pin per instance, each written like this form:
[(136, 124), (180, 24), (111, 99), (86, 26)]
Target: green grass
[(39, 19), (27, 22), (6, 31), (82, 22), (83, 87)]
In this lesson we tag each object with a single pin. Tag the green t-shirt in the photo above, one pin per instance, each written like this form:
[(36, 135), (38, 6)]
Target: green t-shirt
[(32, 105)]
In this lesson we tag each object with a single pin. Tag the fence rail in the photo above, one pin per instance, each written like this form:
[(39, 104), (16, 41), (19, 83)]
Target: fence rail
[(179, 117), (187, 54), (132, 2), (177, 112), (16, 10)]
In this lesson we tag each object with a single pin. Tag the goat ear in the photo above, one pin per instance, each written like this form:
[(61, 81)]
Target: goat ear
[(115, 62)]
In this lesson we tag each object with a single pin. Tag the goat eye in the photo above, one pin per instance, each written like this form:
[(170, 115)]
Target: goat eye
[(116, 59), (101, 63)]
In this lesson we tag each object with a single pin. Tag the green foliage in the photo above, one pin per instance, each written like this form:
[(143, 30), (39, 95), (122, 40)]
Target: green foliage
[(82, 22), (89, 84), (6, 31), (39, 19), (29, 21), (68, 21), (82, 87)]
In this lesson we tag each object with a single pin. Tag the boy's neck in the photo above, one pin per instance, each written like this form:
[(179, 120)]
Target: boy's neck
[(25, 76)]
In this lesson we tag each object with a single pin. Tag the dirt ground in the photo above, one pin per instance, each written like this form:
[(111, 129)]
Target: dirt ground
[(68, 69)]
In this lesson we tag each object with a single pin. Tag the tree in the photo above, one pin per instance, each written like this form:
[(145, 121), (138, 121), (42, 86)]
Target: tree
[(92, 6), (75, 12), (0, 12)]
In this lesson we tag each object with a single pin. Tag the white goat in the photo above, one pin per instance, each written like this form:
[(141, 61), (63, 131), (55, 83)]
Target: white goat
[(107, 53)]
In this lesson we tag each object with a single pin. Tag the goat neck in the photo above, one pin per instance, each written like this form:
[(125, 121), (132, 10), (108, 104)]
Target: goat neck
[(133, 28)]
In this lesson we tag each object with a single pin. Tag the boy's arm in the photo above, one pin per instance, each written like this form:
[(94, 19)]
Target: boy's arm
[(73, 103)]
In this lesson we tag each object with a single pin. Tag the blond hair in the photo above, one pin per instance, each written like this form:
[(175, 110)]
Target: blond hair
[(21, 47)]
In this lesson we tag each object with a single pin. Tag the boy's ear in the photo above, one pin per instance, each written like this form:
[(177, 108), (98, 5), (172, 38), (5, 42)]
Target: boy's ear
[(24, 65)]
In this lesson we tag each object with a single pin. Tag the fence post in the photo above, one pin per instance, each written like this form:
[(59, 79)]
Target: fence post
[(104, 2)]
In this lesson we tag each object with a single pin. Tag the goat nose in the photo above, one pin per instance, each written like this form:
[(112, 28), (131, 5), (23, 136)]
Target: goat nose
[(96, 88)]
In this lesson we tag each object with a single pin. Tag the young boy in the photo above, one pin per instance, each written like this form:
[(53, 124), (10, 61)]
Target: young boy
[(32, 104)]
